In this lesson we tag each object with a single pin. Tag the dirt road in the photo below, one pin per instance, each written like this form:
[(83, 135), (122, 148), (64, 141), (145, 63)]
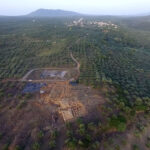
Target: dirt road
[(25, 77), (78, 65)]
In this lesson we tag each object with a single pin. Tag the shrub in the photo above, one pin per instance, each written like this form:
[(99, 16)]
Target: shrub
[(1, 94), (40, 135), (71, 143), (36, 146), (121, 127), (124, 142), (135, 147), (68, 125), (1, 135), (69, 133), (140, 127), (79, 121), (21, 104), (91, 126), (52, 144), (117, 147), (18, 147), (81, 129), (5, 147), (95, 145), (54, 134), (148, 144), (118, 122), (148, 138)]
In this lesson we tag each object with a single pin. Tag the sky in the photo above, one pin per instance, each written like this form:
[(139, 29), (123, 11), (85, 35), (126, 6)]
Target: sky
[(94, 7)]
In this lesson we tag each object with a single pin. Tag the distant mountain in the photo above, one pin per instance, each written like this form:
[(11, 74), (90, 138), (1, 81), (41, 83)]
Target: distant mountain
[(52, 13), (144, 14)]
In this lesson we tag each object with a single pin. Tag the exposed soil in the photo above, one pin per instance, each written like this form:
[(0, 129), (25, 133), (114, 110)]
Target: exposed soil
[(23, 117)]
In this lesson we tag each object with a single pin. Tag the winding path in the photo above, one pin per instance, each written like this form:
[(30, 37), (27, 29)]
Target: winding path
[(24, 78), (78, 65)]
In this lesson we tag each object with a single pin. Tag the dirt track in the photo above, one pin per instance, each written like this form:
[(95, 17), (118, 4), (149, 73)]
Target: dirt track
[(28, 73), (48, 111), (24, 78), (78, 65)]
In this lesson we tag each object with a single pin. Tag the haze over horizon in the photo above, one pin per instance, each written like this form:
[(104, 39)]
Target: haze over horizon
[(93, 7)]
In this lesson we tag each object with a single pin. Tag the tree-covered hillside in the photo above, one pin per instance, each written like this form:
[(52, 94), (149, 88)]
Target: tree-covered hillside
[(106, 54), (114, 57)]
